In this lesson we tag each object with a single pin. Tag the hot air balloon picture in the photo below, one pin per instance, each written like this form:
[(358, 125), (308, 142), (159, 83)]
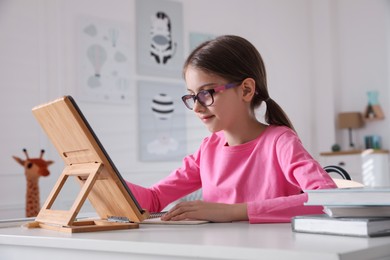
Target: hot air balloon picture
[(161, 122), (97, 56), (104, 65), (159, 37)]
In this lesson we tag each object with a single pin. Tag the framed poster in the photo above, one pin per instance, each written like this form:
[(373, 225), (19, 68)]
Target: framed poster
[(161, 121), (197, 38), (104, 60), (159, 38)]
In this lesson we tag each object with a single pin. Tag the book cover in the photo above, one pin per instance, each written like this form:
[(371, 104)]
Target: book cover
[(323, 224), (357, 211), (367, 196)]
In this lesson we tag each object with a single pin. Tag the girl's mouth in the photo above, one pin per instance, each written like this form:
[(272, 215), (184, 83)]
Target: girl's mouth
[(206, 118)]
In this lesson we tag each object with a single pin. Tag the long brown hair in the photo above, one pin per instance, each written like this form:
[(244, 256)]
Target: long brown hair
[(235, 59)]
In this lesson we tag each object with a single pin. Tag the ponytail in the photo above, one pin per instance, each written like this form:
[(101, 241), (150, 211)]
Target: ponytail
[(275, 115)]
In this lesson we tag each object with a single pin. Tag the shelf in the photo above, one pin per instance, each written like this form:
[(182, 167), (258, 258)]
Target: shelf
[(375, 111), (348, 152)]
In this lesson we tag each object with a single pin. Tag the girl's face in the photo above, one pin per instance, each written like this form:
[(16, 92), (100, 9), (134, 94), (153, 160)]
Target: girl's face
[(227, 106)]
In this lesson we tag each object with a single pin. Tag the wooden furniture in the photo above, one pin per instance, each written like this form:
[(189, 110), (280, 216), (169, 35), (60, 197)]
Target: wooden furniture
[(370, 167), (239, 240), (86, 160)]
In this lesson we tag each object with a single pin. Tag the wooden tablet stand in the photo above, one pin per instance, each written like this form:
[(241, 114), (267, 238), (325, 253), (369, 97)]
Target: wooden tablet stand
[(65, 221), (87, 161)]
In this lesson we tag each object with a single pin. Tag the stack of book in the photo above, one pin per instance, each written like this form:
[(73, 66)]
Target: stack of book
[(361, 212)]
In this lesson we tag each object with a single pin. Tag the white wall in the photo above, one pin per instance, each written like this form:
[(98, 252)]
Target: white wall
[(362, 62), (321, 57)]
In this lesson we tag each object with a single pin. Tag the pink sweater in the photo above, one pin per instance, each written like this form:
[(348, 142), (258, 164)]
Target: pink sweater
[(268, 173)]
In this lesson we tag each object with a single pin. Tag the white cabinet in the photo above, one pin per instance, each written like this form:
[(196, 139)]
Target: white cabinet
[(370, 167)]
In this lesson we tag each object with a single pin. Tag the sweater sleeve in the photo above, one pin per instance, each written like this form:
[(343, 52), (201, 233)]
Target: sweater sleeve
[(146, 197), (301, 171), (177, 184), (280, 209)]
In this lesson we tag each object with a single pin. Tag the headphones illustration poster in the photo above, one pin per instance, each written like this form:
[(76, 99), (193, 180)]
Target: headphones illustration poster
[(159, 38)]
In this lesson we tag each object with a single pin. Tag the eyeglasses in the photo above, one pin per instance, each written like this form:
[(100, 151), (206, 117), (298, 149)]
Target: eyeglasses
[(205, 97)]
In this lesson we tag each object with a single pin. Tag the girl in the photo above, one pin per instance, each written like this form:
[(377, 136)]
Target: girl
[(247, 170)]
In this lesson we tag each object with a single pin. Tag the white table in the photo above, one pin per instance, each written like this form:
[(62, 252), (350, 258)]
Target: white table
[(207, 241)]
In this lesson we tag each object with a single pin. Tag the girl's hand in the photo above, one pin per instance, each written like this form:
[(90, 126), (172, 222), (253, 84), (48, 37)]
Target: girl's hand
[(200, 210)]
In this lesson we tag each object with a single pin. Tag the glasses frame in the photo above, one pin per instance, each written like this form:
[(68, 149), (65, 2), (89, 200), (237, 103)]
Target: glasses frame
[(209, 91)]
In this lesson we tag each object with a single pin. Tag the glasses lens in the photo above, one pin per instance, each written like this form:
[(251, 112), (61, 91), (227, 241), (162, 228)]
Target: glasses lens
[(205, 98), (188, 101)]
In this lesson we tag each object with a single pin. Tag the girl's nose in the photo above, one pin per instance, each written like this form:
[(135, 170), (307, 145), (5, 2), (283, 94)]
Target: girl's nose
[(198, 107)]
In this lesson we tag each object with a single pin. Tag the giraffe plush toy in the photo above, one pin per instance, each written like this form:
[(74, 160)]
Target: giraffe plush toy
[(34, 168)]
